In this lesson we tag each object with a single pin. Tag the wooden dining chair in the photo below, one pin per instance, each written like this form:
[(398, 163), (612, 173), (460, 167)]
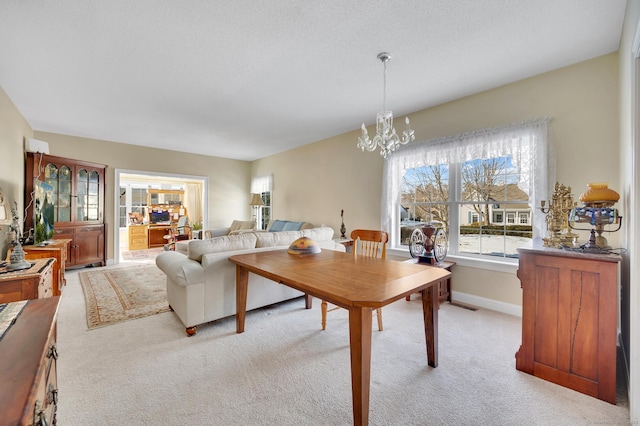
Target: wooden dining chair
[(370, 243)]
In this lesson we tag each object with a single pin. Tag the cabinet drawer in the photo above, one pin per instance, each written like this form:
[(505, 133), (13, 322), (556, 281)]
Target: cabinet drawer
[(138, 231)]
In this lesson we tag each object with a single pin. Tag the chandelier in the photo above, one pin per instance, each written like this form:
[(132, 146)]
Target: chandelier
[(386, 137)]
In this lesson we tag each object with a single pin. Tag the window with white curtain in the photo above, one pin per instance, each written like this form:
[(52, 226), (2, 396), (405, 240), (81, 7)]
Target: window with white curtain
[(474, 185), (264, 186)]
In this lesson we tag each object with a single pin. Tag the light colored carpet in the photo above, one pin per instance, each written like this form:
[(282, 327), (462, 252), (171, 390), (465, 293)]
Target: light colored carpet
[(113, 295), (285, 371)]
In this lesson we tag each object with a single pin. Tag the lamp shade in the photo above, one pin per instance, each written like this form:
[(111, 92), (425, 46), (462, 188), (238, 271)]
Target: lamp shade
[(256, 200)]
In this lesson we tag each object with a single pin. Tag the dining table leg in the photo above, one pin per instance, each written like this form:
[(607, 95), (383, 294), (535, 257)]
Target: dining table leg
[(430, 313), (360, 343), (242, 283)]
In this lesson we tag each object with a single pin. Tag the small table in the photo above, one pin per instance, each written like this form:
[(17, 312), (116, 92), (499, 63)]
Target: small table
[(346, 242), (445, 284), (356, 283), (33, 283), (58, 249)]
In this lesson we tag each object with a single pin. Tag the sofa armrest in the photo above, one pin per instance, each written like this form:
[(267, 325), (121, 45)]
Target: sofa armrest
[(180, 269), (216, 232)]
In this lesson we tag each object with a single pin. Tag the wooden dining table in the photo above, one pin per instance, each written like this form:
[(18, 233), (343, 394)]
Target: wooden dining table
[(357, 283)]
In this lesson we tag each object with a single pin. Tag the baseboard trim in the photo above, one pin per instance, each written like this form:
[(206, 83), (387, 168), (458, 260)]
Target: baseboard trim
[(483, 302)]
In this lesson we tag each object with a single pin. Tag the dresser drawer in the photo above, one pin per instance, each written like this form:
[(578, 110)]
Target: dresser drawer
[(28, 372)]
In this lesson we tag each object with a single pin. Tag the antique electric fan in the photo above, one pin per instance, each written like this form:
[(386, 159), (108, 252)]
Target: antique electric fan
[(429, 244)]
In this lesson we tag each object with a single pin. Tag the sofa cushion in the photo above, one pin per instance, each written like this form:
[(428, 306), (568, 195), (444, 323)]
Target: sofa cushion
[(219, 244), (274, 239), (323, 233)]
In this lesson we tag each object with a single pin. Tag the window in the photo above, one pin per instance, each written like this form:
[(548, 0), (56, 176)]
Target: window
[(524, 218), (475, 185), (262, 186), (133, 199)]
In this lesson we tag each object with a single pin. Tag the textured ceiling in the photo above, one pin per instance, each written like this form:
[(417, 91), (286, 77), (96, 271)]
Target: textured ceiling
[(245, 79)]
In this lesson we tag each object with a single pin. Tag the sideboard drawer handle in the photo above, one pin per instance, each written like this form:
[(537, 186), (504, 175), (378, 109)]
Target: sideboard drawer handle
[(52, 395)]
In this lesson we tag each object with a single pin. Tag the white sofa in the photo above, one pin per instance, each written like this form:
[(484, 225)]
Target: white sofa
[(201, 285)]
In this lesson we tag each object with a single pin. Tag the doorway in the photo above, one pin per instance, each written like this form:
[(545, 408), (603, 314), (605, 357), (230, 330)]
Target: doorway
[(132, 194)]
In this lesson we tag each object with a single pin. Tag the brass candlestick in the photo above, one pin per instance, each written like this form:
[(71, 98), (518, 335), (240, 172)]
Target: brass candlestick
[(557, 217)]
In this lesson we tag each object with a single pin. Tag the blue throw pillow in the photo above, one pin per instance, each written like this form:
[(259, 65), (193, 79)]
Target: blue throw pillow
[(277, 226), (292, 226)]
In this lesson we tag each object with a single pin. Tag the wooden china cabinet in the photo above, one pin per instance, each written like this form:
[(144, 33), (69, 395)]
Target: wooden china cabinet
[(79, 204)]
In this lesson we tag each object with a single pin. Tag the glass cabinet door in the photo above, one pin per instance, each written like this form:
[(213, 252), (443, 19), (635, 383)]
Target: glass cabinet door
[(60, 181), (93, 205), (87, 191)]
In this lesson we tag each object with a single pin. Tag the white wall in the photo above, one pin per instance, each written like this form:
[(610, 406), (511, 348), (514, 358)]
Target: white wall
[(14, 129), (630, 177), (229, 180)]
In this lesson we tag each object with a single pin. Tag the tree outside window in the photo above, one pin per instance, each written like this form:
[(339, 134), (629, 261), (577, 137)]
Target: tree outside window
[(484, 203)]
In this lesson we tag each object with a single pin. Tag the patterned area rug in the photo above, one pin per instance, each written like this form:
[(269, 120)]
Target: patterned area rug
[(148, 254), (121, 294)]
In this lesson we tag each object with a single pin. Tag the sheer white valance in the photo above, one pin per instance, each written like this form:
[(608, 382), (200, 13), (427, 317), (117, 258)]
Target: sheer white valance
[(526, 142), (262, 184)]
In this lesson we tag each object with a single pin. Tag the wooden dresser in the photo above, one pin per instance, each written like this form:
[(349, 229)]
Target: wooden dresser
[(569, 318), (58, 249), (33, 283), (28, 378)]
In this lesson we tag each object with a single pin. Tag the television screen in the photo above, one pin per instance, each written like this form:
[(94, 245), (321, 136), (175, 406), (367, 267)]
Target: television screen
[(43, 211), (159, 217)]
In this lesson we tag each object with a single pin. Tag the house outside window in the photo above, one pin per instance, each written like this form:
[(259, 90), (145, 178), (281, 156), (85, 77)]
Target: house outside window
[(469, 184)]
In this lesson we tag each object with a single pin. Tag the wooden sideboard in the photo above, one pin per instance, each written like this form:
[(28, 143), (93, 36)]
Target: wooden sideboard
[(569, 318), (33, 283), (58, 249), (28, 377)]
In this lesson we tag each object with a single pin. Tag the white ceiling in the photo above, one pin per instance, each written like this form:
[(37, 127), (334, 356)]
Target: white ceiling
[(245, 79)]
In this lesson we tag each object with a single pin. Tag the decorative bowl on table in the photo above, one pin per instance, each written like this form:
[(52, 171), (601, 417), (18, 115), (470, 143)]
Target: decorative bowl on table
[(304, 245)]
